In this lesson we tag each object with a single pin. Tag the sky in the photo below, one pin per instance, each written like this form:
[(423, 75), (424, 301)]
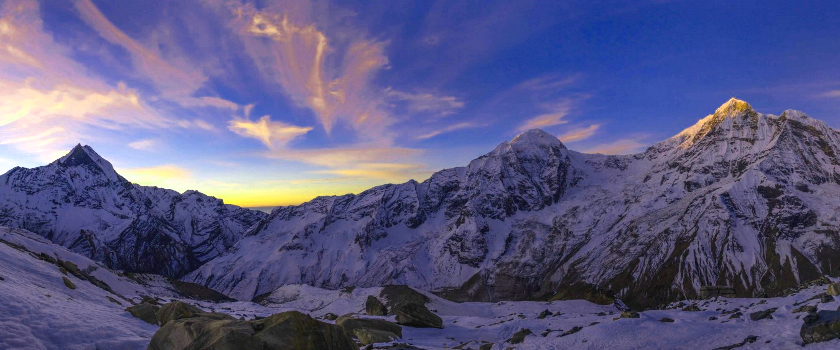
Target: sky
[(267, 103)]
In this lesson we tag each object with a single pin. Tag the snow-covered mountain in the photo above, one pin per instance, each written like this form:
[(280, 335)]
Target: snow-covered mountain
[(740, 198), (80, 202)]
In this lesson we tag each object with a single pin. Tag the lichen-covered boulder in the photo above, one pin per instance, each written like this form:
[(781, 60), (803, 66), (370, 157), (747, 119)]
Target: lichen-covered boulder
[(833, 289), (417, 315), (214, 331), (350, 323), (145, 312), (630, 314), (369, 336), (821, 326), (176, 310), (68, 283)]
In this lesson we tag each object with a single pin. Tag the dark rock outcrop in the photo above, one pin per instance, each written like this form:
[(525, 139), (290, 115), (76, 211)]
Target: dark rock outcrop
[(519, 336), (760, 315), (374, 307), (417, 315), (821, 326)]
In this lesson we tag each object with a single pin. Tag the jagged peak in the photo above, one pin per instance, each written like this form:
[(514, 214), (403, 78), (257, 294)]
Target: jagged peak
[(85, 155), (734, 107), (537, 137)]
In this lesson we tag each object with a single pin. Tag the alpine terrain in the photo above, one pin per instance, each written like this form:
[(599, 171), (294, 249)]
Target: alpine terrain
[(741, 199), (80, 202)]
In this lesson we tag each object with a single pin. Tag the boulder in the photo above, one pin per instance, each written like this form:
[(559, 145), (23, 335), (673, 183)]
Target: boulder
[(519, 336), (666, 319), (330, 316), (821, 326), (287, 330), (145, 312), (374, 307), (692, 307), (544, 314), (630, 314), (176, 310), (825, 298), (805, 308), (395, 295), (417, 315), (574, 330), (369, 336), (68, 283), (833, 289), (760, 315), (350, 323)]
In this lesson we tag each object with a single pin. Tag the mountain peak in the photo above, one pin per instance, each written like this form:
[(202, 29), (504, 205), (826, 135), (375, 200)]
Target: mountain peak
[(86, 156), (537, 137), (733, 107)]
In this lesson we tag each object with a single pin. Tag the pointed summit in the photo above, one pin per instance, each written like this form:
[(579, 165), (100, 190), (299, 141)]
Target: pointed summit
[(733, 107), (86, 156)]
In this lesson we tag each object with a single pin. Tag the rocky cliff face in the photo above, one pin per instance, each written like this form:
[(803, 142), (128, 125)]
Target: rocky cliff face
[(740, 198), (80, 202)]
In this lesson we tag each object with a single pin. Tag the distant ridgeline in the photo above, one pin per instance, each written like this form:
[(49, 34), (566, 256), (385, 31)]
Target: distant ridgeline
[(740, 199)]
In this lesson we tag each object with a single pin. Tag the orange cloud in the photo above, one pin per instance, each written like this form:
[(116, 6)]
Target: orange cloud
[(57, 104), (294, 56), (547, 119), (273, 134), (579, 134)]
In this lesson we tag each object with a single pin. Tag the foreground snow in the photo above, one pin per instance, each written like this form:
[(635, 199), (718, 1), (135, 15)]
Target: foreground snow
[(37, 311)]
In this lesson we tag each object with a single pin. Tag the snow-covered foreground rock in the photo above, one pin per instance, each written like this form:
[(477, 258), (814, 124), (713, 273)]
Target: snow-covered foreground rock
[(37, 311), (743, 199)]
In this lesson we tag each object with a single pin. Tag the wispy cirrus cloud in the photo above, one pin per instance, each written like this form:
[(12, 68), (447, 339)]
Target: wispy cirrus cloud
[(555, 117), (273, 134), (426, 102), (174, 77), (145, 145), (448, 129), (294, 55), (831, 94), (579, 134), (58, 101)]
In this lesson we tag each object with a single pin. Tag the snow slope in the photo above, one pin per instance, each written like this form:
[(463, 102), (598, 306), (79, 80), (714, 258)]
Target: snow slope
[(80, 202), (741, 198), (37, 311)]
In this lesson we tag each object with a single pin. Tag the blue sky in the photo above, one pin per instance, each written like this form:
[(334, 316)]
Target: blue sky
[(275, 102)]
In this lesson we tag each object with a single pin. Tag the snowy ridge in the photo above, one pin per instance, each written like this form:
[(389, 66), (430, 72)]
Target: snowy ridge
[(80, 202), (740, 198)]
